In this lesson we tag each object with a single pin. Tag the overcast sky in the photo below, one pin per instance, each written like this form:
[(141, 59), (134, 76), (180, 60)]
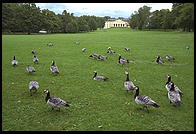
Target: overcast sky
[(113, 10)]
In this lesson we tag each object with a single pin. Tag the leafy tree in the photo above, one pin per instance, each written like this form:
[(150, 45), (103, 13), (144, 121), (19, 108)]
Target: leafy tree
[(143, 17)]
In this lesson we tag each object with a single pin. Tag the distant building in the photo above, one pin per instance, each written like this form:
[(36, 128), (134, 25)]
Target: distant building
[(42, 31), (116, 23)]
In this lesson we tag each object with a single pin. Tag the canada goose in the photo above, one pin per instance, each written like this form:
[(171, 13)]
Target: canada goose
[(35, 59), (14, 61), (99, 78), (128, 83), (55, 102), (110, 51), (174, 95), (33, 86), (50, 44), (169, 58), (95, 56), (144, 100), (101, 57), (122, 60), (54, 69), (187, 47), (127, 49), (169, 83), (30, 69), (83, 49), (77, 43), (33, 51), (159, 60)]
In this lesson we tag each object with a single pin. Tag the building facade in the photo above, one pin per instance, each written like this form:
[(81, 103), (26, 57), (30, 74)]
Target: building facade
[(116, 23)]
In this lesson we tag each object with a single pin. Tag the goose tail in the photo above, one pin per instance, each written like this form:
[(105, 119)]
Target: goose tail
[(155, 105)]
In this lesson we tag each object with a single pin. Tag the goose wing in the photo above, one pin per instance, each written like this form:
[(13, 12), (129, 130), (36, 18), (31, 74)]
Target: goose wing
[(129, 85), (100, 78), (54, 69), (144, 100), (33, 85), (57, 102), (174, 96)]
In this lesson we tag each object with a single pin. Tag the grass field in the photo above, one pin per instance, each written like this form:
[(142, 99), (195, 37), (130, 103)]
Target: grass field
[(94, 103)]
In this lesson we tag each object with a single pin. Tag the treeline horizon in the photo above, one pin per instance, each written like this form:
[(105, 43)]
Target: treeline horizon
[(28, 18), (181, 17)]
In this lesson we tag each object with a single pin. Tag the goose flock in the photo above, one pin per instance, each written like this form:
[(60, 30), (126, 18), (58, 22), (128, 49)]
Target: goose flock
[(174, 93)]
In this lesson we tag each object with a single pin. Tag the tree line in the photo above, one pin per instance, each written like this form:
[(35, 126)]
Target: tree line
[(27, 18), (180, 17)]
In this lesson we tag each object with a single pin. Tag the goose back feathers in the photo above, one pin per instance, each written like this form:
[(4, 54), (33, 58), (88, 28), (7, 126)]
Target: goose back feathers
[(33, 86), (30, 69), (174, 95), (169, 58)]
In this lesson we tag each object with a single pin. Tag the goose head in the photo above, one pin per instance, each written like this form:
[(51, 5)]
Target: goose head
[(137, 91), (46, 91), (95, 74)]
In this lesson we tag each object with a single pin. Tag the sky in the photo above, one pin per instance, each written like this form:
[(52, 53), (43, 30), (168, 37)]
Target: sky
[(114, 10)]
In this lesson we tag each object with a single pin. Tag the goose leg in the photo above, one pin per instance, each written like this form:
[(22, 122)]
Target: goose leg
[(59, 109), (30, 93), (52, 108)]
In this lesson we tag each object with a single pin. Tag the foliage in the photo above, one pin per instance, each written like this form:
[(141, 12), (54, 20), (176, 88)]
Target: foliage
[(181, 16)]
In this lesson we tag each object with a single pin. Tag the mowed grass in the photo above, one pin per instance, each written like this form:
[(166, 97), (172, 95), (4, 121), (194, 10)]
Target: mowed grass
[(94, 103)]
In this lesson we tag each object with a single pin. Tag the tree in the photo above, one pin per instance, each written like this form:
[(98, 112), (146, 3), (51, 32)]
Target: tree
[(185, 20), (134, 20), (143, 17)]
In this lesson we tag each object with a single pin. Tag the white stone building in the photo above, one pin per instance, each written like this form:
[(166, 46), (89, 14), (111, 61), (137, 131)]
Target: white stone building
[(116, 23)]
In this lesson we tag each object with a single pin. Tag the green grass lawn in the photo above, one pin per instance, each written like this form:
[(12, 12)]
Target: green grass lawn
[(95, 103)]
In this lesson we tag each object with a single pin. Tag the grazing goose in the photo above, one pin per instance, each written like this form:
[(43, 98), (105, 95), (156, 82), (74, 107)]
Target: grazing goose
[(95, 56), (169, 58), (99, 78), (33, 86), (122, 60), (30, 69), (174, 95), (100, 57), (35, 59), (33, 51), (187, 47), (159, 60), (144, 100), (83, 49), (127, 49), (169, 83), (110, 51), (77, 43), (54, 69), (50, 44), (14, 61), (55, 102), (128, 84)]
